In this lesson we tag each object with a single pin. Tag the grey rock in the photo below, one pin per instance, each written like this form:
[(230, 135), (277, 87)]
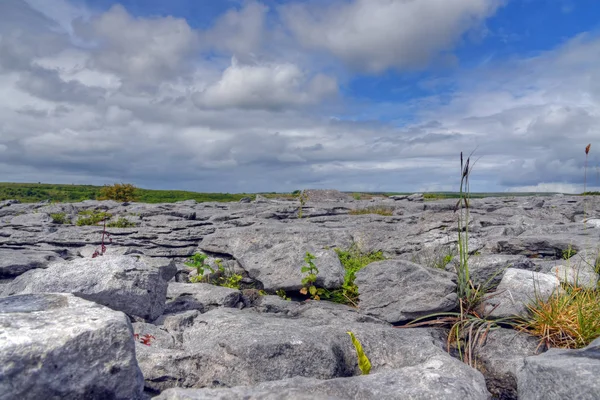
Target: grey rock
[(429, 381), (398, 290), (274, 254), (561, 374), (58, 346), (199, 296), (516, 290), (487, 270), (501, 356), (129, 284), (580, 275), (229, 347), (15, 262)]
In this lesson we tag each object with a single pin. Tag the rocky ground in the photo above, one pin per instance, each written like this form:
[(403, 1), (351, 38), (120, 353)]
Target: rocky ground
[(128, 324)]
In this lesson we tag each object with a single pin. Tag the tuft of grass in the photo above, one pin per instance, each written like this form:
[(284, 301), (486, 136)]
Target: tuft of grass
[(60, 218), (380, 210), (92, 217), (121, 223), (435, 257), (568, 319), (353, 260)]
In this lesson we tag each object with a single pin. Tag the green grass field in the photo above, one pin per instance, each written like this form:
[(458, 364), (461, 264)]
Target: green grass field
[(36, 192)]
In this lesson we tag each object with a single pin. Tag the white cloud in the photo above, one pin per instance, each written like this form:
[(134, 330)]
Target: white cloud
[(270, 86), (143, 50), (374, 35)]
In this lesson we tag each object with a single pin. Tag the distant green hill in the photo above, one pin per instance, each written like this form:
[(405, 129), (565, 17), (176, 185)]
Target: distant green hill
[(36, 192)]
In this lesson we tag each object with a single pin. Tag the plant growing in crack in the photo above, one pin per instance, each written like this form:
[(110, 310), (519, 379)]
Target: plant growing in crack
[(308, 282), (105, 235)]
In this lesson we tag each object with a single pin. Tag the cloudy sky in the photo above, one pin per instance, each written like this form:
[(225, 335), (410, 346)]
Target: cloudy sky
[(274, 95)]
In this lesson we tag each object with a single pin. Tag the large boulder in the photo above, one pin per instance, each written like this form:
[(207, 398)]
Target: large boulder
[(135, 285), (230, 347), (561, 374), (518, 289), (273, 254), (58, 346), (398, 290)]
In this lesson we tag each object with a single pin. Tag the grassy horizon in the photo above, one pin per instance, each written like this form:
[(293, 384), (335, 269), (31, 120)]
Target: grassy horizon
[(36, 192)]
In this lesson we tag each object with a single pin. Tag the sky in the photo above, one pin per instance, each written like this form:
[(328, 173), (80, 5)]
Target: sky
[(277, 95)]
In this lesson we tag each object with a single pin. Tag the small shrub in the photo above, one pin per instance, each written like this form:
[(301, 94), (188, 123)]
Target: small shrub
[(119, 192), (60, 218), (92, 217), (380, 210), (121, 223), (356, 196)]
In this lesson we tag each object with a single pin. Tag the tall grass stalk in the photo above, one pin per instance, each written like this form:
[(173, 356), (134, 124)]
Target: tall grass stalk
[(465, 289)]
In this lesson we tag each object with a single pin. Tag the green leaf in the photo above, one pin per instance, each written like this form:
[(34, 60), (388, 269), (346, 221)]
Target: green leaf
[(305, 269), (363, 362), (312, 290)]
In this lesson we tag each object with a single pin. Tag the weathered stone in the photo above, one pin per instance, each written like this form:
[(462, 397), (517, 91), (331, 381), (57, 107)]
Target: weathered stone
[(199, 296), (431, 380), (397, 290), (502, 355), (578, 274), (561, 374), (274, 254), (58, 346), (133, 285), (230, 347), (517, 289), (15, 262)]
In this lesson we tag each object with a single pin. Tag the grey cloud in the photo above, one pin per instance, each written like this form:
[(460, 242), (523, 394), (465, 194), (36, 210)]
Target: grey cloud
[(47, 84)]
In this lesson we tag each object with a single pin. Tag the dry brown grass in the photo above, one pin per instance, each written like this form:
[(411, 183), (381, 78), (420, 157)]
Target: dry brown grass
[(380, 210)]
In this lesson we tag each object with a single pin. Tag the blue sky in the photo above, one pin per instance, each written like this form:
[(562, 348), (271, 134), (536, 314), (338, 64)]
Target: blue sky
[(273, 95)]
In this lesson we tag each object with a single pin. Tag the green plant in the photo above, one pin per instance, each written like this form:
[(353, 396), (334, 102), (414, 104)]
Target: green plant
[(308, 282), (302, 198), (380, 210), (468, 295), (281, 293), (353, 261), (220, 277), (226, 277), (121, 223), (356, 196), (569, 318), (568, 252), (198, 262), (363, 361), (119, 192), (92, 217), (60, 218)]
